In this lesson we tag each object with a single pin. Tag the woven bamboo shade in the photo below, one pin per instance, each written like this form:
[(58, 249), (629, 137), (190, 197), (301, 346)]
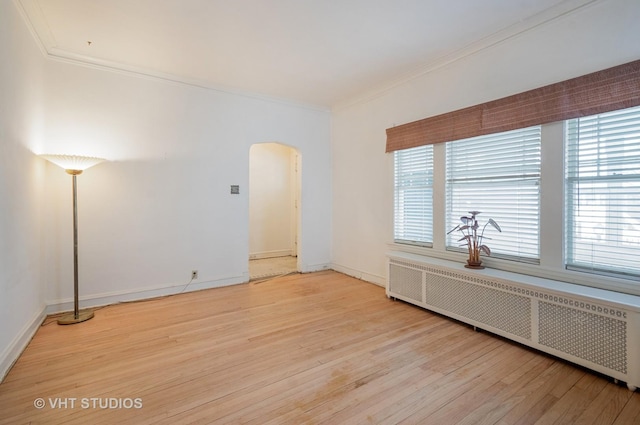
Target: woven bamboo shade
[(602, 91)]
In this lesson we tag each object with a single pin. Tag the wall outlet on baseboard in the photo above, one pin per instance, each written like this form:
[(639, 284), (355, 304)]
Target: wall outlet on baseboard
[(194, 274)]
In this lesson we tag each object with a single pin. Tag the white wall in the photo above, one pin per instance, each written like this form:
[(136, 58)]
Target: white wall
[(597, 37), (161, 206), (21, 187), (271, 201)]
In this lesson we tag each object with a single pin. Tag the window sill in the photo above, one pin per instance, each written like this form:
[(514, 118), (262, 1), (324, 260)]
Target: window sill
[(625, 286)]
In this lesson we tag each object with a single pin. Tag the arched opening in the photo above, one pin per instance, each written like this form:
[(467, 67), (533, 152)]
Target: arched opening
[(274, 210)]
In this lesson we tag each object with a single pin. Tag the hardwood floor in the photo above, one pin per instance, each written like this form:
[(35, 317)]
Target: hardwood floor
[(319, 348)]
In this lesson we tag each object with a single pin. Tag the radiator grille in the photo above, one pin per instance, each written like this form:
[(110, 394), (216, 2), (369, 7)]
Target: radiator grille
[(598, 339), (577, 328), (406, 282), (499, 309)]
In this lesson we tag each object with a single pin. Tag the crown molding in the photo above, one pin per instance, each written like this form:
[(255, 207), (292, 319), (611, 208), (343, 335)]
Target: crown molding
[(538, 20), (129, 70), (37, 25), (34, 18)]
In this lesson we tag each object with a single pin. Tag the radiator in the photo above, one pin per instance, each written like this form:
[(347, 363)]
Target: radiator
[(599, 330)]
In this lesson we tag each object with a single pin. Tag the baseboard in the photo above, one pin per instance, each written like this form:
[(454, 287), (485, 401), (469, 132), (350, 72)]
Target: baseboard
[(358, 274), (270, 254), (10, 354), (310, 268), (97, 300)]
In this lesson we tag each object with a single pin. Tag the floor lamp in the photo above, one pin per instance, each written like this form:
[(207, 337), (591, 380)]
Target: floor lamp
[(74, 165)]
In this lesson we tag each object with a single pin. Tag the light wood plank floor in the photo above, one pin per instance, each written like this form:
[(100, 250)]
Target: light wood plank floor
[(319, 348)]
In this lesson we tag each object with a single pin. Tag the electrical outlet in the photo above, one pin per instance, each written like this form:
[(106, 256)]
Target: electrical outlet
[(194, 274)]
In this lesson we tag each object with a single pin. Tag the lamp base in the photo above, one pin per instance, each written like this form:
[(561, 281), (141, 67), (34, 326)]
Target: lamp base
[(70, 319)]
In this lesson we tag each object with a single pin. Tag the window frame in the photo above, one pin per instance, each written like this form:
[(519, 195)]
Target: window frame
[(601, 141), (552, 216)]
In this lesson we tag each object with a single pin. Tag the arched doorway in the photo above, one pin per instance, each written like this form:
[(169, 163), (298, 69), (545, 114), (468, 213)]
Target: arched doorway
[(274, 210)]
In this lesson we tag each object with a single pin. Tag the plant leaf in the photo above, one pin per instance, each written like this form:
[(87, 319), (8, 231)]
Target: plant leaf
[(494, 224), (454, 229), (465, 220), (485, 249)]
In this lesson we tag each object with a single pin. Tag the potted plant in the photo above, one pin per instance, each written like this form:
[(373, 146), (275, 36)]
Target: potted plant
[(473, 239)]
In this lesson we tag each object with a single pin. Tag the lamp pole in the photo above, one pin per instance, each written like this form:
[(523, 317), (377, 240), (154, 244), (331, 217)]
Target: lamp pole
[(77, 316), (74, 165), (76, 304)]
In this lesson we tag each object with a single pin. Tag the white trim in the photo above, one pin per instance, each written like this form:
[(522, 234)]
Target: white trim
[(542, 18), (310, 268), (613, 284), (35, 21), (147, 74), (13, 351), (270, 254), (33, 18), (627, 301), (108, 298), (358, 274)]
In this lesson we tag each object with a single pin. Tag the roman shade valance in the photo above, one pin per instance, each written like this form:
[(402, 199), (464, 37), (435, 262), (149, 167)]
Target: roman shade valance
[(602, 91)]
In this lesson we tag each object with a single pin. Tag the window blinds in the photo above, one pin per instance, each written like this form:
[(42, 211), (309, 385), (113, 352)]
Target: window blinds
[(498, 175), (603, 193), (413, 211)]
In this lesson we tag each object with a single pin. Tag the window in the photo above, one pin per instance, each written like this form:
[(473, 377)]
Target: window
[(413, 211), (498, 175), (603, 193)]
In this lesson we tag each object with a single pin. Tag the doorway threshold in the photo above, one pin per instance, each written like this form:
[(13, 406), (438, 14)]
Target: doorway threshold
[(269, 267)]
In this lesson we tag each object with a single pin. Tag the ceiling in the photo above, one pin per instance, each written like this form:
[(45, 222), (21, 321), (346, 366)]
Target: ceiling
[(318, 52)]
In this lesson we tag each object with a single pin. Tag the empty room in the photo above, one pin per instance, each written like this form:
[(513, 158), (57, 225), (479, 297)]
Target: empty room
[(319, 212)]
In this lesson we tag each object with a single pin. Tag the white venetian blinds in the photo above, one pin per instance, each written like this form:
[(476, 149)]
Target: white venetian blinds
[(413, 180), (602, 228), (498, 175)]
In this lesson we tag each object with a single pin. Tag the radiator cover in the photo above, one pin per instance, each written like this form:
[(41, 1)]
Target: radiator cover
[(599, 333)]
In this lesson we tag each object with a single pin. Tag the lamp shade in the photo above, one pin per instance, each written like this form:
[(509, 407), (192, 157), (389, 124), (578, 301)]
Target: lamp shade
[(73, 162)]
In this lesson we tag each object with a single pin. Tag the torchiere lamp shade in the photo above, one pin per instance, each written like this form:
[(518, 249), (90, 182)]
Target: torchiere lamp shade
[(73, 162)]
